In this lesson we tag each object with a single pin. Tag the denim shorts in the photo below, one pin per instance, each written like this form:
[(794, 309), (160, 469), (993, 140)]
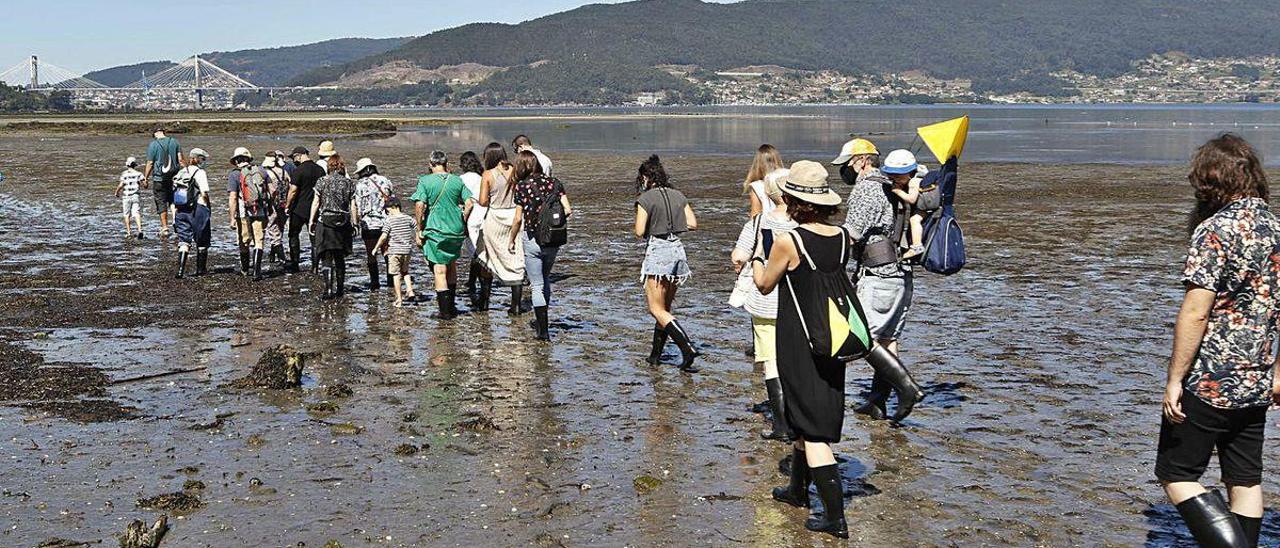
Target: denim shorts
[(665, 259), (886, 302)]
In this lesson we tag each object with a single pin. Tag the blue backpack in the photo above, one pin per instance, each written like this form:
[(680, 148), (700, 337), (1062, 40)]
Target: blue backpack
[(944, 241)]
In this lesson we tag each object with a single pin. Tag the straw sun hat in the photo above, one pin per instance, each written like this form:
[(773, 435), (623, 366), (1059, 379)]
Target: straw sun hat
[(808, 181)]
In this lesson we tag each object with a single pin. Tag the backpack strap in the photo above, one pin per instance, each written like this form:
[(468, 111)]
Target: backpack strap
[(795, 236)]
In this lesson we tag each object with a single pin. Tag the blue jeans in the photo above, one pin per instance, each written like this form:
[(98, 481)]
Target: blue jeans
[(537, 266)]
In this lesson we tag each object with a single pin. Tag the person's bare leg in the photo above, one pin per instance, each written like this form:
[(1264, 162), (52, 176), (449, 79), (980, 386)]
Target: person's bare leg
[(441, 273), (889, 344), (396, 290), (818, 454), (1245, 500), (408, 284), (656, 298)]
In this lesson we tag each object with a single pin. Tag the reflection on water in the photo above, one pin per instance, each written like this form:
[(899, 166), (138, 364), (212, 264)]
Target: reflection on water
[(1039, 134)]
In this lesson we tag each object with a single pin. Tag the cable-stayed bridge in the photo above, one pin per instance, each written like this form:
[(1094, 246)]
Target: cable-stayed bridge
[(195, 75)]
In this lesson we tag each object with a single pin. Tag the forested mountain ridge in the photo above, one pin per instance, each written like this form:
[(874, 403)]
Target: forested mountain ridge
[(264, 67), (987, 41)]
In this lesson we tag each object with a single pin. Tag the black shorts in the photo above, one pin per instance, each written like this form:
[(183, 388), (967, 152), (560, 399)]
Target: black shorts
[(163, 192), (1237, 434)]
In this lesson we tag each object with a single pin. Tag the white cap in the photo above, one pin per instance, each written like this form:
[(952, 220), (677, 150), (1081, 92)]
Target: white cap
[(899, 162), (131, 162), (241, 151), (198, 152)]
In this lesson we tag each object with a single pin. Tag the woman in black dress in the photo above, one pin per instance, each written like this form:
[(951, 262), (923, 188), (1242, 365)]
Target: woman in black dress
[(334, 216), (813, 383)]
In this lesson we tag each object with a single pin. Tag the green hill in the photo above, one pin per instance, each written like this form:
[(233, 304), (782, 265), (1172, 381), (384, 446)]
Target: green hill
[(997, 43), (265, 67)]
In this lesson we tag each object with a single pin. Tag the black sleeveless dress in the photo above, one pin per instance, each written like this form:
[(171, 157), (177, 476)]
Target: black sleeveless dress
[(813, 385)]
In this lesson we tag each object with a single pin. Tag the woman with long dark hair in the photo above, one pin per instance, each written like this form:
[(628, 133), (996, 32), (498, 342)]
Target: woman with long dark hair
[(808, 259), (333, 221), (472, 177), (662, 215), (532, 191), (497, 193)]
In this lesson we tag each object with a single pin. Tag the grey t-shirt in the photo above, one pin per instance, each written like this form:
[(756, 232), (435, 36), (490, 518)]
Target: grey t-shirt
[(665, 207)]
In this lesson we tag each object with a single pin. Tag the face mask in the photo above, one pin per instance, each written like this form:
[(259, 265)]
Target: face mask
[(848, 175)]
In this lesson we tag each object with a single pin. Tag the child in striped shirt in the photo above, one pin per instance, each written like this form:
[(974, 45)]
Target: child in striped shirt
[(399, 239), (127, 191)]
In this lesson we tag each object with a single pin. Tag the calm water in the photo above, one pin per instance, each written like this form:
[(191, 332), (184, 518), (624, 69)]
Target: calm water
[(1038, 134)]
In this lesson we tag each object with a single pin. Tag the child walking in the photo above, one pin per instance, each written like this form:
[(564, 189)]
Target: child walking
[(127, 191), (399, 240)]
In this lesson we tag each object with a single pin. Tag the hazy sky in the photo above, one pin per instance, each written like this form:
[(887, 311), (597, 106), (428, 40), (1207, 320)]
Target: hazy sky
[(85, 35)]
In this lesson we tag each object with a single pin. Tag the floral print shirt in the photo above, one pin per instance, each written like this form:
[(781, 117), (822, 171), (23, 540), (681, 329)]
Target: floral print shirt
[(371, 199), (531, 193), (1236, 253)]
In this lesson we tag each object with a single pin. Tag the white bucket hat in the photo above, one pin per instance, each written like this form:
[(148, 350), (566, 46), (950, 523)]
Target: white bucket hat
[(198, 152), (131, 162), (241, 151), (899, 162), (326, 149), (363, 163)]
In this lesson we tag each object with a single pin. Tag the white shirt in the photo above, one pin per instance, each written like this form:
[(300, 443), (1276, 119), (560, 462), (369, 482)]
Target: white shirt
[(543, 161), (472, 180), (201, 179)]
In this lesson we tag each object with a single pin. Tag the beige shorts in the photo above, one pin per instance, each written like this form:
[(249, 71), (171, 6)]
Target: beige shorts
[(398, 265), (766, 339)]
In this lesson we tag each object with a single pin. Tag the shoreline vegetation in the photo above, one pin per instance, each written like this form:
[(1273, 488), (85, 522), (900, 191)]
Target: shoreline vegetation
[(210, 125)]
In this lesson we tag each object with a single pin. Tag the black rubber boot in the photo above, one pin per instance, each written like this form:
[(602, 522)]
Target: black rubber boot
[(182, 265), (541, 327), (486, 289), (443, 300), (473, 273), (778, 405), (277, 253), (896, 375), (374, 281), (244, 261), (1211, 523), (831, 491), (295, 256), (202, 262), (328, 284), (874, 407), (681, 339), (257, 265), (340, 276), (1252, 528), (659, 342), (762, 407), (517, 295), (797, 492)]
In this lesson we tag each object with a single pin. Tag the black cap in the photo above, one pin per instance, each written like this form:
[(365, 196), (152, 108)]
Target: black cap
[(299, 150)]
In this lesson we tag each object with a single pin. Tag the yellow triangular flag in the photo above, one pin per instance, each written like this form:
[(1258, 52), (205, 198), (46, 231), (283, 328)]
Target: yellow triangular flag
[(839, 326), (946, 139)]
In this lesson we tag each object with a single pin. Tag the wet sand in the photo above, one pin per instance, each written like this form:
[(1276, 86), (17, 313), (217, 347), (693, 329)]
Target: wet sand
[(1043, 359)]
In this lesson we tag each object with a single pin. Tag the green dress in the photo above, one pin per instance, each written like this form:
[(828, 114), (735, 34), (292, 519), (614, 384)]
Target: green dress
[(444, 229)]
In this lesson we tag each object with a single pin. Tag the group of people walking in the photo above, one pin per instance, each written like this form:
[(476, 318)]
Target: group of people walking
[(496, 211)]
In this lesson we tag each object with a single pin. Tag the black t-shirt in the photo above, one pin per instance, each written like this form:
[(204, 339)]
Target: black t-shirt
[(304, 178)]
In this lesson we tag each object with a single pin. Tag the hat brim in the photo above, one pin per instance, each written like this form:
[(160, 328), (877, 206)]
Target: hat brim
[(828, 198), (900, 170), (843, 159)]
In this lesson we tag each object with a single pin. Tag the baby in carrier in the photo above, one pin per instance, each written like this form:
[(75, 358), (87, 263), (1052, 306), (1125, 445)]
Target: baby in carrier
[(907, 176)]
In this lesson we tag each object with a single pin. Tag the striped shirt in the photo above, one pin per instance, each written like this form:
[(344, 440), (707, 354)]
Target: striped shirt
[(129, 181), (400, 230), (757, 304)]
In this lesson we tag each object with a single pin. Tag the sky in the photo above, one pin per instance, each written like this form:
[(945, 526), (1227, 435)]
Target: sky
[(84, 35)]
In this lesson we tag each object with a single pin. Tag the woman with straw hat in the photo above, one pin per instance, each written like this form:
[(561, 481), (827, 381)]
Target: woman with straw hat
[(809, 259)]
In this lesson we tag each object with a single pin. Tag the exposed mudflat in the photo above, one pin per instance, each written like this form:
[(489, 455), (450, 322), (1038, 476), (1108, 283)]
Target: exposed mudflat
[(1044, 361)]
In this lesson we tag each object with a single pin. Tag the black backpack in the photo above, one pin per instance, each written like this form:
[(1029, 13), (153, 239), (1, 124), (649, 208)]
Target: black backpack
[(833, 321), (553, 224)]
